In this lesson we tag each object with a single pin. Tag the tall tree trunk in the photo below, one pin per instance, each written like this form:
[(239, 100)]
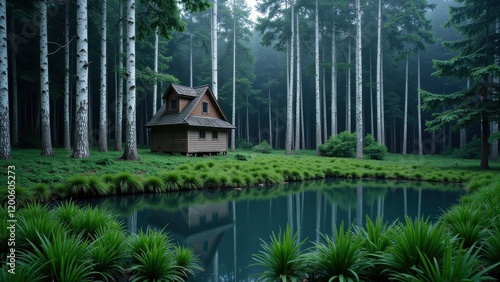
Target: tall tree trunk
[(130, 152), (359, 85), (103, 117), (5, 149), (155, 85), (119, 102), (323, 98), (13, 65), (419, 118), (247, 135), (334, 82), (382, 96), (405, 123), (269, 109), (191, 59), (348, 100), (494, 125), (485, 129), (81, 146), (233, 106), (67, 130), (372, 131), (44, 82), (316, 66), (289, 102), (214, 49), (297, 97), (379, 76)]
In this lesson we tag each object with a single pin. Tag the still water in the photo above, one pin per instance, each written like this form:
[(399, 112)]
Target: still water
[(224, 226)]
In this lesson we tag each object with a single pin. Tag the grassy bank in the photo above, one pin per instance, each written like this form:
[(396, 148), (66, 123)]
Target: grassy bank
[(46, 178)]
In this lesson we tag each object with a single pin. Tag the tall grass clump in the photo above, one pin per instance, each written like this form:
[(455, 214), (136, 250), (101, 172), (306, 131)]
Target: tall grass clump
[(41, 192), (412, 238), (82, 185), (152, 257), (61, 258), (340, 258), (186, 260), (154, 184), (108, 253), (191, 181), (30, 230), (127, 183), (282, 258), (172, 180), (491, 251), (88, 221), (457, 265), (467, 222), (23, 273)]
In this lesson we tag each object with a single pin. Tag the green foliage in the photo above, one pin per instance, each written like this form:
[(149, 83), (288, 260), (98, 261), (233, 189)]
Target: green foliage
[(340, 259), (61, 258), (127, 183), (82, 185), (372, 150), (263, 148), (342, 145), (242, 144), (172, 180), (457, 265), (491, 251), (411, 239), (108, 253), (186, 260), (154, 184), (240, 157), (41, 192), (467, 223), (282, 257), (472, 149)]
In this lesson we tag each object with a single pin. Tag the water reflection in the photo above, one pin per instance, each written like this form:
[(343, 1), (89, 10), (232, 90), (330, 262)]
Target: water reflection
[(224, 227)]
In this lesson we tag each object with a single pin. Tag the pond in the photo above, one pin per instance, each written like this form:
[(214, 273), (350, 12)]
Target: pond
[(224, 226)]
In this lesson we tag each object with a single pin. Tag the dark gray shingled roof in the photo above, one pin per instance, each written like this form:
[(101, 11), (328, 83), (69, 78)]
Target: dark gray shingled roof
[(184, 90), (161, 117)]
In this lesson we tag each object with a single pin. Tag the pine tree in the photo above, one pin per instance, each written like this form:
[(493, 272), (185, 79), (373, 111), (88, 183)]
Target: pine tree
[(5, 149)]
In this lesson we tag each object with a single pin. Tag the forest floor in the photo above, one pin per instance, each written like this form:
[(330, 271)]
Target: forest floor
[(31, 168)]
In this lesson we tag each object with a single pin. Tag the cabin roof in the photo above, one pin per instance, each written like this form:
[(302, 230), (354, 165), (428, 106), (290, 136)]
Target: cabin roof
[(161, 118)]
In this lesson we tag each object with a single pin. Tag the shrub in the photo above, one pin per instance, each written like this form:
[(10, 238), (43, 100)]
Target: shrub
[(108, 254), (154, 184), (243, 144), (41, 192), (467, 223), (472, 149), (240, 157), (263, 147), (342, 145), (172, 180), (105, 161), (186, 260), (126, 183), (372, 150), (81, 185)]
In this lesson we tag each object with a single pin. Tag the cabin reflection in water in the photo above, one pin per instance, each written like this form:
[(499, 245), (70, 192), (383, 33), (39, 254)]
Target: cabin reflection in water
[(200, 227)]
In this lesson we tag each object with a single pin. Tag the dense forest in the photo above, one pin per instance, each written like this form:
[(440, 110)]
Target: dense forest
[(91, 73)]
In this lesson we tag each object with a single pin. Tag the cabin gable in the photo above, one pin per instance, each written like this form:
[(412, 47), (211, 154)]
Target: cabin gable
[(206, 107)]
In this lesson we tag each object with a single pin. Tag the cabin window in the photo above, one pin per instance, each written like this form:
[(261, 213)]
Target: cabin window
[(215, 134), (202, 134), (204, 107), (173, 104)]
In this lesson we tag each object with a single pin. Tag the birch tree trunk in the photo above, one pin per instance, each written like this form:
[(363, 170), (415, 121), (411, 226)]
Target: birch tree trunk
[(334, 82), (119, 102), (5, 149), (297, 97), (269, 111), (348, 100), (289, 102), (379, 68), (44, 82), (371, 96), (316, 66), (233, 106), (155, 86), (130, 152), (13, 65), (494, 124), (323, 98), (405, 123), (103, 124), (81, 146), (359, 84), (67, 131), (214, 49), (419, 102)]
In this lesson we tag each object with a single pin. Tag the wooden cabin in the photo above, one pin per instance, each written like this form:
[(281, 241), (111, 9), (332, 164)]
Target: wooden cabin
[(190, 122)]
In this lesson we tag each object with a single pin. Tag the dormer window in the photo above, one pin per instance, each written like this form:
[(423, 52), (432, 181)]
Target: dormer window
[(174, 104), (204, 108)]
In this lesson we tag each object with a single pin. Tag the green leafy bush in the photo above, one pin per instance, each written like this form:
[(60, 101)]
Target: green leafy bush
[(243, 144), (263, 147), (372, 150), (240, 157), (343, 145)]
